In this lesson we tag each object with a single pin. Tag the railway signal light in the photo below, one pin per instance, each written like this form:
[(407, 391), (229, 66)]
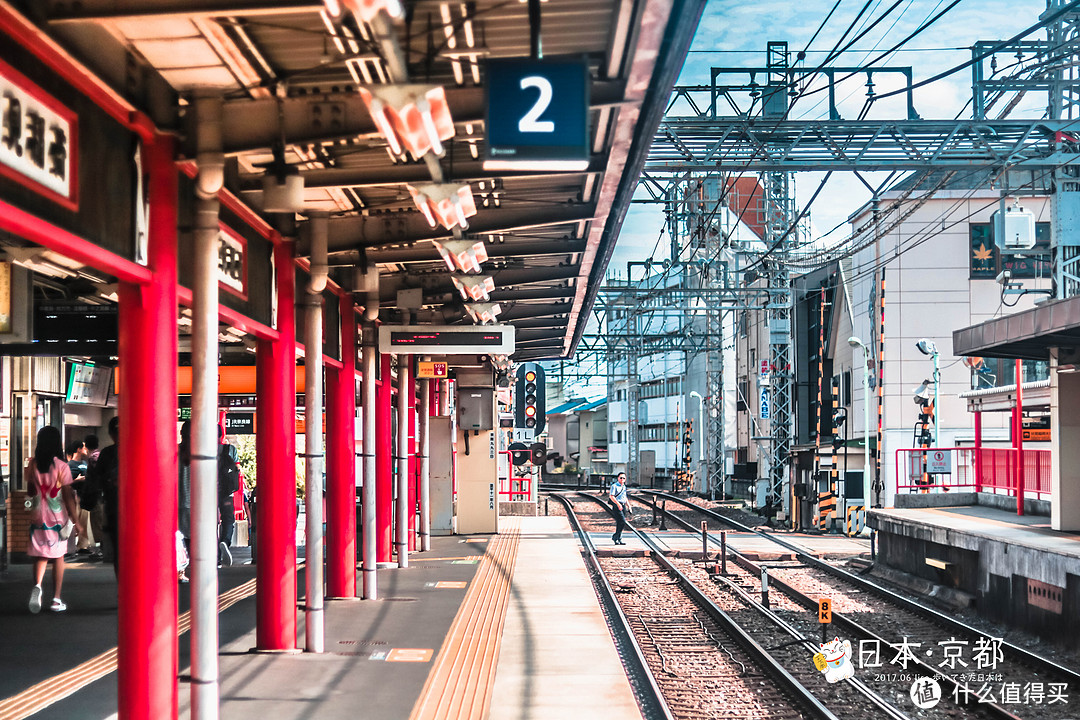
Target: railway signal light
[(538, 453), (688, 442), (529, 398), (519, 453)]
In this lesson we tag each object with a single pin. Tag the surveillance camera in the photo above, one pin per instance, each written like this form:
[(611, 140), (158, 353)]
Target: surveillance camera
[(1004, 277)]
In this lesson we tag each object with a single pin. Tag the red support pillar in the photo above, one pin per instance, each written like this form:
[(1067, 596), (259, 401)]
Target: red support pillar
[(146, 637), (1019, 430), (341, 463), (414, 467), (275, 507), (978, 452), (384, 490)]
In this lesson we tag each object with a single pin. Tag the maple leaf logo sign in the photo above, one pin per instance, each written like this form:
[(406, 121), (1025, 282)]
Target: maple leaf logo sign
[(982, 253)]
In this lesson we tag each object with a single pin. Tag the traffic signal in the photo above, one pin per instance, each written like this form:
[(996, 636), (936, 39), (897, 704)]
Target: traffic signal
[(529, 398), (538, 453)]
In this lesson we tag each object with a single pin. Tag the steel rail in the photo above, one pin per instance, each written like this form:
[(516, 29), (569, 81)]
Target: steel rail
[(761, 656), (803, 554), (854, 682), (649, 694), (851, 625)]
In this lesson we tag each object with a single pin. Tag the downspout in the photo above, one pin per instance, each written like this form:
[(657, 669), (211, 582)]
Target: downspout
[(368, 281), (204, 410), (313, 422)]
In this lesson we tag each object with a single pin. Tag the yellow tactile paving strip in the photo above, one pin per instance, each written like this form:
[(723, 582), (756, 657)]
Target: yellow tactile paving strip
[(40, 696), (461, 681)]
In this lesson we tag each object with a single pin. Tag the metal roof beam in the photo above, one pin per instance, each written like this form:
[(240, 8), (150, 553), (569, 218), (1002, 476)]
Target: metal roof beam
[(440, 282), (415, 173), (251, 125), (101, 10), (378, 231), (426, 252)]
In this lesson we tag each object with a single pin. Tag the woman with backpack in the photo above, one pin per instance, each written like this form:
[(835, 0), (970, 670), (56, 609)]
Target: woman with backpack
[(53, 513)]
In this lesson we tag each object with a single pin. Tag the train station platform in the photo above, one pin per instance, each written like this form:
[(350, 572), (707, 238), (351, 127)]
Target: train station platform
[(1017, 570), (490, 626)]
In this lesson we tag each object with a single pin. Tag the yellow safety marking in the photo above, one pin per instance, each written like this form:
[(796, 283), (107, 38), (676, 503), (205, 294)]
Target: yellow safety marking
[(460, 682), (451, 584), (410, 655), (40, 696)]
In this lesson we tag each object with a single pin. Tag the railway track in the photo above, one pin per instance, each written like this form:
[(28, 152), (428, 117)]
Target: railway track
[(707, 664), (910, 640)]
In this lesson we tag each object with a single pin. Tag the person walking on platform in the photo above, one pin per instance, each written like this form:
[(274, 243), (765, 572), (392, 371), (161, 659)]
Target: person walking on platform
[(53, 514), (617, 493), (104, 478), (228, 484), (183, 489), (76, 460), (92, 500)]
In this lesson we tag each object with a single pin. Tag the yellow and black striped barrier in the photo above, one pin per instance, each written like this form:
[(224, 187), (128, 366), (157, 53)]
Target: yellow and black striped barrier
[(856, 520)]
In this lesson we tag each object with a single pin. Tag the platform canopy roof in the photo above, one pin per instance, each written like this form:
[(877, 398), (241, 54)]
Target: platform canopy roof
[(1026, 335), (291, 76)]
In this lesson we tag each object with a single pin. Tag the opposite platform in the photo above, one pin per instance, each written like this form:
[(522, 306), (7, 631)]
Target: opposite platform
[(1017, 570)]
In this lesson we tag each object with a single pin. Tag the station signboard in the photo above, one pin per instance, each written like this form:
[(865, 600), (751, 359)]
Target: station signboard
[(446, 340), (537, 115), (939, 462), (434, 370)]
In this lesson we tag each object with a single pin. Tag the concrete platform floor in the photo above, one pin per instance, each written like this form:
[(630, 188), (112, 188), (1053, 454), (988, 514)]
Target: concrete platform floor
[(556, 657)]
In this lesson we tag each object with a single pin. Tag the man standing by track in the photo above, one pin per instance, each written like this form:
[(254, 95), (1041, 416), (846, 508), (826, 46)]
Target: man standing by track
[(617, 493)]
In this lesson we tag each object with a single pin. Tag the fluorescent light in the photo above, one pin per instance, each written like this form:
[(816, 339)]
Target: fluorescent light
[(542, 165)]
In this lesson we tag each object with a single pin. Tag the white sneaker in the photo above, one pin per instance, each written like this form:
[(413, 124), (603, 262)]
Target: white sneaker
[(58, 605), (225, 555), (35, 600)]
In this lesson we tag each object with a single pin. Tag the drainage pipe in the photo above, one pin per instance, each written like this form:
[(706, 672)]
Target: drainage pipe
[(204, 410), (313, 424), (370, 284)]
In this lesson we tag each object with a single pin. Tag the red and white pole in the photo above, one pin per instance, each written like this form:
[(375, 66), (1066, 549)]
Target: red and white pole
[(146, 636)]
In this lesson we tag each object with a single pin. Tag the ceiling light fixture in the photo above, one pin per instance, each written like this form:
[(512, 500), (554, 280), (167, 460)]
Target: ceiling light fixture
[(474, 288), (445, 204), (415, 118), (463, 255), (365, 10), (483, 313)]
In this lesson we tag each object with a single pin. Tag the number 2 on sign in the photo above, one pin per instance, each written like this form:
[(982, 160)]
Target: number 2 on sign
[(531, 122)]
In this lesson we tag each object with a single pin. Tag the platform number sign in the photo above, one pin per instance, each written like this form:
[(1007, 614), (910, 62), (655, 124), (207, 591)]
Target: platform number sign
[(537, 115)]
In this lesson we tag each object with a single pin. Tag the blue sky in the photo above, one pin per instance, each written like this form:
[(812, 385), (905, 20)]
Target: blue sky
[(734, 33)]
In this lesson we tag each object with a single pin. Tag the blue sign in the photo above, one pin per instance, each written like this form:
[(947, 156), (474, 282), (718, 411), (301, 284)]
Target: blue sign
[(537, 115), (766, 403)]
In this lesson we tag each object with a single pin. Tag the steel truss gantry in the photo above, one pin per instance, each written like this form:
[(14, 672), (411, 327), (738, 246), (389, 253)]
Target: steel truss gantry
[(736, 126)]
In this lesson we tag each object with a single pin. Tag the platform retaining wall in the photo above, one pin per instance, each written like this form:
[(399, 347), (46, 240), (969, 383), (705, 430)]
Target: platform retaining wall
[(1015, 585)]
